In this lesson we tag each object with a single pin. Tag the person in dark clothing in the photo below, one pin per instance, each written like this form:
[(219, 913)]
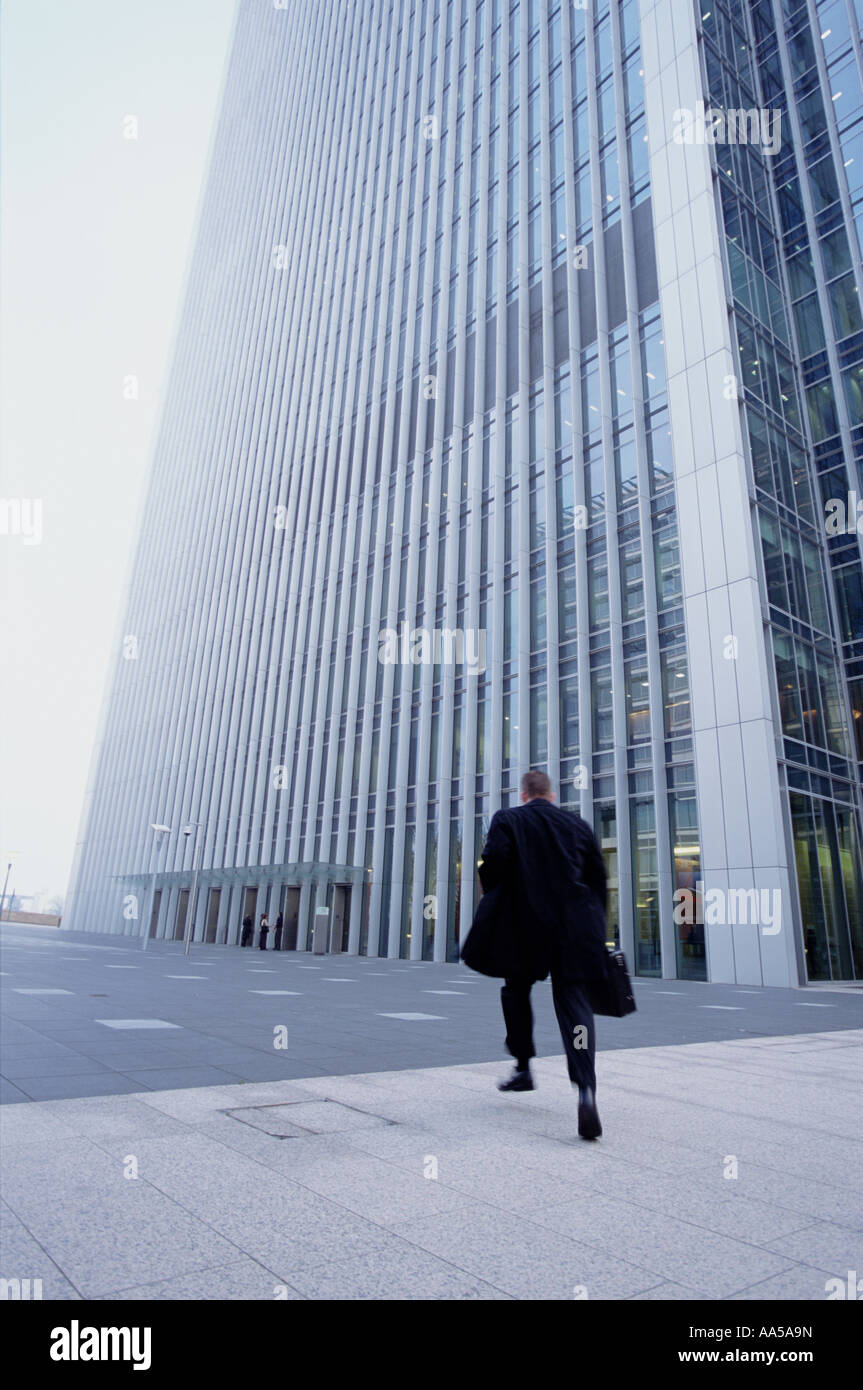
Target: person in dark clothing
[(548, 875), (246, 938), (264, 930), (277, 943)]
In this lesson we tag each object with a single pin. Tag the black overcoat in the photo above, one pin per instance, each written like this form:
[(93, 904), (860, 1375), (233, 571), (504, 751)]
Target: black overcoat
[(543, 904)]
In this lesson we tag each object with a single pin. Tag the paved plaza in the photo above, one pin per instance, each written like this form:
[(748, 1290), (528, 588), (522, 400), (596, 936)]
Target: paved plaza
[(89, 1016), (727, 1170), (156, 1145)]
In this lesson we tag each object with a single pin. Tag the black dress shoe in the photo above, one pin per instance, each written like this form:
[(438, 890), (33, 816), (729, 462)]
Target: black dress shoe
[(588, 1115), (519, 1081)]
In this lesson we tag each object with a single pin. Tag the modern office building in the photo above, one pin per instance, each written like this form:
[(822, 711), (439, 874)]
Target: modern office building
[(517, 387)]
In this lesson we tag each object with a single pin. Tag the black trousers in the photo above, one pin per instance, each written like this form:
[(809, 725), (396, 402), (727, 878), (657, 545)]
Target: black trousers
[(574, 1017)]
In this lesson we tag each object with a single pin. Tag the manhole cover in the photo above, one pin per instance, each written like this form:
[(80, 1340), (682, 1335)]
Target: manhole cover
[(297, 1119)]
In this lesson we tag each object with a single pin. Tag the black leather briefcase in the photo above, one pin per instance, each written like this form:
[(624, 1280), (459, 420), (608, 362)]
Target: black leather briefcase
[(611, 995)]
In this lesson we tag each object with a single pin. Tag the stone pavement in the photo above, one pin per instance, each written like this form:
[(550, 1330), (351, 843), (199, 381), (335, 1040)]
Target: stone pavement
[(90, 1015), (428, 1184)]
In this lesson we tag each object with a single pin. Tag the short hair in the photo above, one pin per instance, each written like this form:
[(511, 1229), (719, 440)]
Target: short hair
[(535, 783)]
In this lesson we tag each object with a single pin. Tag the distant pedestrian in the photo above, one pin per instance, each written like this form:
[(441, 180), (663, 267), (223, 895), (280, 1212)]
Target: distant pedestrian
[(265, 927), (246, 938), (277, 944), (543, 912)]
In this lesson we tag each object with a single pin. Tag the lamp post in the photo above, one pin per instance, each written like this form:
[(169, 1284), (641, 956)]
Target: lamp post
[(193, 903), (5, 886), (10, 855), (148, 920)]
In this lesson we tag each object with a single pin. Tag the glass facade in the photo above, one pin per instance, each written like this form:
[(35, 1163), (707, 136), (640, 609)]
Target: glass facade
[(415, 519), (792, 224)]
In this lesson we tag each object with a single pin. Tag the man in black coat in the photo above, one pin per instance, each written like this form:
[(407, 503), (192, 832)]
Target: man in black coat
[(543, 912)]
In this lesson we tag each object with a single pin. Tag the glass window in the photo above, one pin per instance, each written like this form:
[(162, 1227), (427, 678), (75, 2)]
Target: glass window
[(845, 90), (569, 716), (823, 420), (831, 701), (603, 724), (581, 132), (603, 48), (628, 23), (579, 66), (621, 379), (845, 306), (534, 239), (594, 478), (626, 466), (557, 155), (508, 736), (653, 362), (607, 110), (786, 677), (605, 829), (610, 168), (536, 428), (632, 583), (590, 397), (833, 28), (510, 626), (668, 583), (648, 958), (567, 612), (659, 450), (538, 724), (483, 749), (555, 97), (849, 597), (597, 589), (637, 701), (639, 156), (533, 117), (813, 569), (809, 331), (554, 40), (852, 159), (801, 274), (537, 515), (686, 861), (851, 865), (562, 414), (675, 690)]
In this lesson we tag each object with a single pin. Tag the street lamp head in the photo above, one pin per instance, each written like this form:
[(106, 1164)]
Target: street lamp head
[(187, 829), (161, 827)]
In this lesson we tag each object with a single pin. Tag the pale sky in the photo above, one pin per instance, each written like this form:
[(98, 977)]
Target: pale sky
[(96, 230)]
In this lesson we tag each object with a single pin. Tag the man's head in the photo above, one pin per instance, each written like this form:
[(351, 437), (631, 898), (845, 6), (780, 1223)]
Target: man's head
[(536, 786)]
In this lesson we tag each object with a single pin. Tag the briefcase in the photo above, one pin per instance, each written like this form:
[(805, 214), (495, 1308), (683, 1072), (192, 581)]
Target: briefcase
[(611, 995)]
